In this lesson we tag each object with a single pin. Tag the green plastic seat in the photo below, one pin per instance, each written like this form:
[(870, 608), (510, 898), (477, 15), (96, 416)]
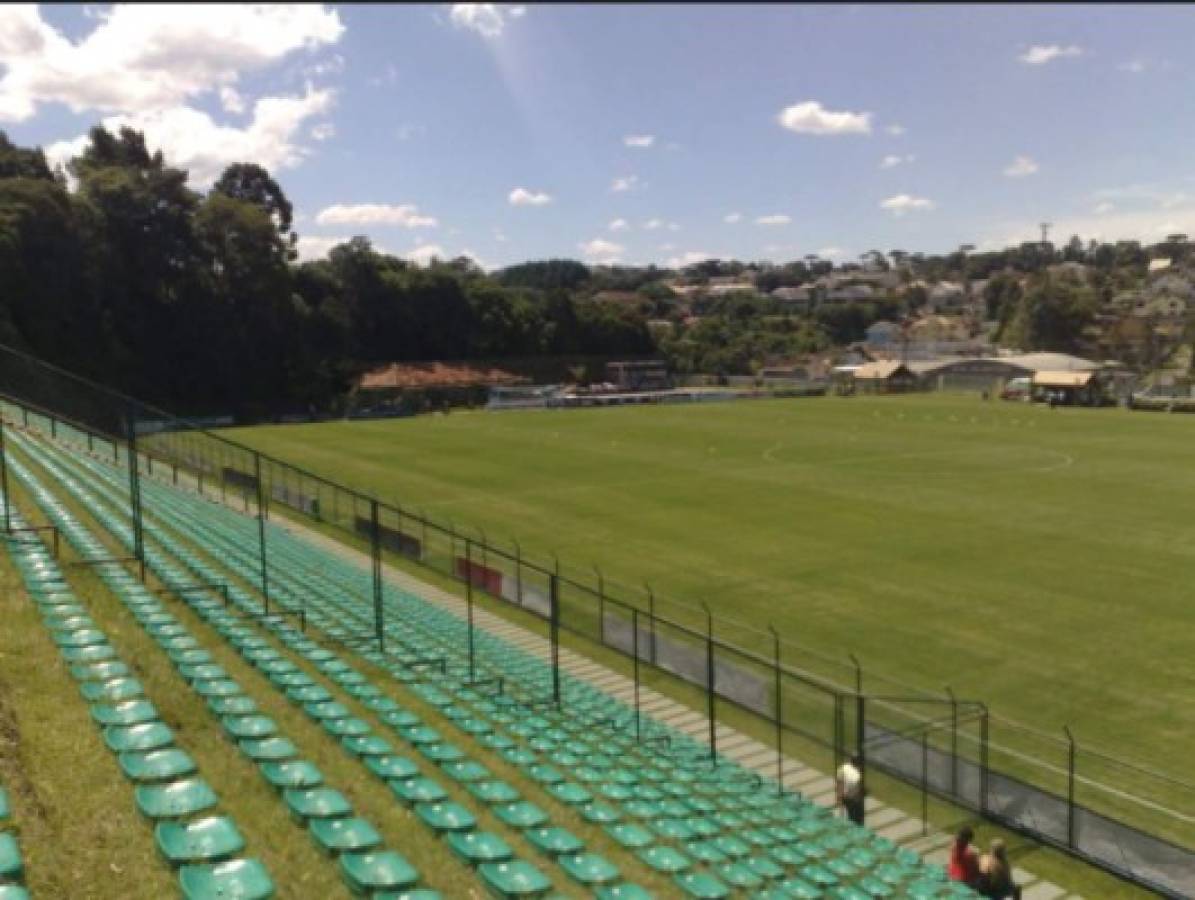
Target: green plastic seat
[(294, 774), (327, 709), (12, 866), (589, 868), (739, 875), (128, 712), (365, 746), (515, 878), (442, 752), (520, 814), (13, 892), (204, 840), (624, 891), (170, 764), (701, 885), (5, 807), (316, 803), (633, 837), (732, 846), (466, 771), (248, 726), (553, 841), (175, 799), (308, 693), (236, 705), (147, 736), (240, 879), (664, 859), (271, 749), (417, 790), (368, 873), (349, 726), (493, 791), (800, 888), (217, 687), (705, 852), (104, 670), (111, 691), (351, 835), (193, 672), (445, 816), (570, 793), (477, 847), (82, 637), (600, 814), (388, 767)]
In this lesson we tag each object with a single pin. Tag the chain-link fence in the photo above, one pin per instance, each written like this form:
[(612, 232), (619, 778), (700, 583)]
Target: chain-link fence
[(1117, 815)]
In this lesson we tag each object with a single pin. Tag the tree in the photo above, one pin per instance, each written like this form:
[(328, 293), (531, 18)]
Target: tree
[(250, 183)]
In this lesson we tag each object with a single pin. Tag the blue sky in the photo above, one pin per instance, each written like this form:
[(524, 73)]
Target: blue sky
[(643, 133)]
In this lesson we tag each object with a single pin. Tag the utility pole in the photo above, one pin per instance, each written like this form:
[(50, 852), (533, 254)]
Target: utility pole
[(1045, 232)]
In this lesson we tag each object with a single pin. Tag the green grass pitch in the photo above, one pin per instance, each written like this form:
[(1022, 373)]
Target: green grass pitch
[(1039, 560)]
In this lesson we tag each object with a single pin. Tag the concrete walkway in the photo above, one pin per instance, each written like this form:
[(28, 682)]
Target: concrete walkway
[(815, 785)]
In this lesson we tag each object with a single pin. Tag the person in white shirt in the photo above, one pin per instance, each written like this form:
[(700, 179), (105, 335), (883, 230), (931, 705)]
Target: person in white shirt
[(848, 788)]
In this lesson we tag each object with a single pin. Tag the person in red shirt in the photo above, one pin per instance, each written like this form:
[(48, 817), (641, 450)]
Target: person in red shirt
[(964, 862)]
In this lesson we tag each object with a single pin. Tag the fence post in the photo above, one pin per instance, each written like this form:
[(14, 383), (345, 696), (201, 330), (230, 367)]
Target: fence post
[(984, 724), (779, 710), (601, 606), (651, 623), (1070, 787), (469, 601), (518, 572), (261, 530), (858, 673), (135, 490), (711, 710), (375, 535), (554, 634), (924, 782), (953, 742), (4, 478), (635, 666), (90, 443), (860, 741)]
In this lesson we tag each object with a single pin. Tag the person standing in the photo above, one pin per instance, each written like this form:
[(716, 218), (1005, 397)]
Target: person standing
[(848, 788)]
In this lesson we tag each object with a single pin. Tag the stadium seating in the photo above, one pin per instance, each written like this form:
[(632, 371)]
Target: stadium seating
[(709, 830)]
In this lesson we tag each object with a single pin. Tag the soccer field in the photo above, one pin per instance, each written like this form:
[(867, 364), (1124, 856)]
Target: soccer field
[(1035, 559)]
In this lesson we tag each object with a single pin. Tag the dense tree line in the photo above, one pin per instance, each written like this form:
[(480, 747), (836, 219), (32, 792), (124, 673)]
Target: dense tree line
[(119, 270)]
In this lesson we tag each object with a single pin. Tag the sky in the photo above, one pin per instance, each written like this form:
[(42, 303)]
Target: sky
[(638, 133)]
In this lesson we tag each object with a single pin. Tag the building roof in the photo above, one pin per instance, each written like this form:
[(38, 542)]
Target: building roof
[(1063, 379), (880, 371), (1050, 362), (435, 374)]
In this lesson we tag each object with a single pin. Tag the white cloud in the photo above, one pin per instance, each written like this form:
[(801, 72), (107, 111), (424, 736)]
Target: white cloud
[(1133, 66), (600, 250), (619, 225), (1102, 209), (1021, 167), (405, 215), (310, 246), (900, 204), (774, 219), (1040, 54), (639, 140), (190, 139), (892, 160), (523, 197), (425, 253), (689, 258), (487, 19), (732, 218), (148, 58), (896, 129), (810, 117), (323, 131), (500, 236), (626, 183), (231, 100), (832, 253)]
